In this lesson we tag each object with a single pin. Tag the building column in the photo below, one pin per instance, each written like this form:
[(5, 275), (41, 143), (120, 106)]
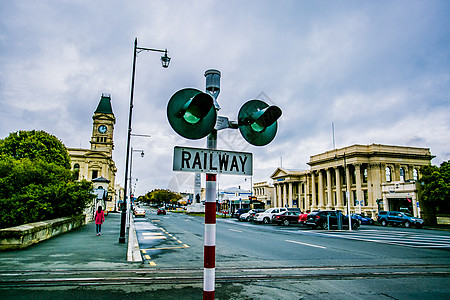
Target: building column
[(290, 203), (278, 196), (349, 184), (284, 196), (307, 207), (301, 202), (321, 204), (339, 203), (359, 192), (313, 191), (330, 203)]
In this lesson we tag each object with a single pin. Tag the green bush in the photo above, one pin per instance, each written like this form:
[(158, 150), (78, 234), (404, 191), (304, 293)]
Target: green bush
[(38, 184)]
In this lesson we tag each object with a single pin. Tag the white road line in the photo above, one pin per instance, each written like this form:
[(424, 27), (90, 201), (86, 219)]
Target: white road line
[(305, 244), (235, 230)]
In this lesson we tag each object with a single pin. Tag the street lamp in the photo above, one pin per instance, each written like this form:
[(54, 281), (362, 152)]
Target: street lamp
[(165, 60)]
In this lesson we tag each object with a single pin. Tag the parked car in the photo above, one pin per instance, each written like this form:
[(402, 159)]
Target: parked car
[(240, 211), (267, 216), (362, 219), (398, 218), (302, 218), (139, 212), (161, 211), (382, 214), (286, 218), (320, 219), (248, 216)]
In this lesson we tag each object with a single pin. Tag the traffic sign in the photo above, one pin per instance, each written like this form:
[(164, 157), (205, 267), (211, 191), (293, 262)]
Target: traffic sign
[(212, 161)]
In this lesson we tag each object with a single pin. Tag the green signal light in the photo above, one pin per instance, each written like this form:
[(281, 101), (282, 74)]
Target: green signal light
[(191, 116)]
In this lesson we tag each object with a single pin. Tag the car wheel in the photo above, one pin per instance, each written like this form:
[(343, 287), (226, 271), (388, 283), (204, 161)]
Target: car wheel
[(286, 222), (384, 223), (407, 224), (266, 220), (355, 225), (324, 225)]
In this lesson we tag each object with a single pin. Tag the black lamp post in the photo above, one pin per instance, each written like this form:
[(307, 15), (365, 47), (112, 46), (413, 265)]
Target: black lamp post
[(165, 60)]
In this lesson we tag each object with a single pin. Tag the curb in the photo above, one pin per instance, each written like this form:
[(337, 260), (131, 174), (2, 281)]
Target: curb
[(133, 253)]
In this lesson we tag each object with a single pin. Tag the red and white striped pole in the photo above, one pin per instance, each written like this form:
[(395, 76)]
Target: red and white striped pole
[(209, 254)]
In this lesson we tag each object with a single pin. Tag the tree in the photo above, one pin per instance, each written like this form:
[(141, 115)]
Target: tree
[(435, 191), (161, 196), (35, 145), (37, 184)]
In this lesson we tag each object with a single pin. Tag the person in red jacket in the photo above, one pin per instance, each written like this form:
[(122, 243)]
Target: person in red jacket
[(99, 219)]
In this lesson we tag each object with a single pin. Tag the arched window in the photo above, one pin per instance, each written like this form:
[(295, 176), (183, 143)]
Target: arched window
[(76, 171), (388, 174), (415, 174), (402, 174)]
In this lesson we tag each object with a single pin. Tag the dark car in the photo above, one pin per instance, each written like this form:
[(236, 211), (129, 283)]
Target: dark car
[(395, 218), (286, 218), (362, 219), (161, 211), (328, 218), (240, 211)]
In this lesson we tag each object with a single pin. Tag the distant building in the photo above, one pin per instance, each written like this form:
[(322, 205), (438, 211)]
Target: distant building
[(96, 164), (369, 176)]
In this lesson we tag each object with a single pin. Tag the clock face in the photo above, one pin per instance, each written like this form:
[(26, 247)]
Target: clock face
[(102, 128)]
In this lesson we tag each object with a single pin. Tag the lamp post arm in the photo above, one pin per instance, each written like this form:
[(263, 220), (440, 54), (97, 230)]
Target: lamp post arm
[(148, 49)]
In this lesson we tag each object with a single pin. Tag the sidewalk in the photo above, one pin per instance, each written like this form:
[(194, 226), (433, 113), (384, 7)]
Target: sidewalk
[(78, 249)]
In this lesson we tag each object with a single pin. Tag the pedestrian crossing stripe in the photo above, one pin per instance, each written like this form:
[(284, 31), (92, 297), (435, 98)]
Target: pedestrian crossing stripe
[(399, 238)]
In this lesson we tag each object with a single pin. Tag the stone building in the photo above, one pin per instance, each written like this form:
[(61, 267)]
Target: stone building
[(96, 164), (356, 173)]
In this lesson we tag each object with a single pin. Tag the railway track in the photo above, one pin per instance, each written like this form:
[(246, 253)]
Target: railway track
[(49, 278)]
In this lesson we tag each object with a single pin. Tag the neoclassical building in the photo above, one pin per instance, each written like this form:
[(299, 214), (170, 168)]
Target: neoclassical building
[(360, 173), (96, 164)]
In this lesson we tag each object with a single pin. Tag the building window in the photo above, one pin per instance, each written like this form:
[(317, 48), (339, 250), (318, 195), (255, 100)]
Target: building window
[(415, 174), (402, 174), (76, 171), (94, 174), (388, 174), (365, 175)]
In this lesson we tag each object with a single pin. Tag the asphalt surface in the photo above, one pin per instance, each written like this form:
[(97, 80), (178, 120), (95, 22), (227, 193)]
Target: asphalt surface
[(82, 265)]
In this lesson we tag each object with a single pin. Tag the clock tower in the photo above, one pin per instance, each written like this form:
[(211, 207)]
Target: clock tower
[(103, 126)]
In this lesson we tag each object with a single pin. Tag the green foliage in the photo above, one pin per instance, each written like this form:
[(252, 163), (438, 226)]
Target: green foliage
[(36, 182), (35, 145), (435, 189), (160, 197)]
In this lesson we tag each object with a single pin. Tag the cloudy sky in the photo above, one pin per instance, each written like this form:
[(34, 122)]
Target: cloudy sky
[(378, 70)]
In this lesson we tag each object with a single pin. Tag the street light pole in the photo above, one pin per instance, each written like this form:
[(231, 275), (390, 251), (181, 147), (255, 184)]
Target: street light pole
[(131, 188), (165, 63)]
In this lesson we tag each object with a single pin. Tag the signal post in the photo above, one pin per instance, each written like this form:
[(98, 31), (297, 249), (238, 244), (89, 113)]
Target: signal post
[(193, 115)]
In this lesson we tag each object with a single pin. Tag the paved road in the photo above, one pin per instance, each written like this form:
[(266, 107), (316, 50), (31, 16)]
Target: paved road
[(253, 262), (176, 240)]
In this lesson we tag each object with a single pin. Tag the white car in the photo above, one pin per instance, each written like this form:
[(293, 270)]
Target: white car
[(267, 216)]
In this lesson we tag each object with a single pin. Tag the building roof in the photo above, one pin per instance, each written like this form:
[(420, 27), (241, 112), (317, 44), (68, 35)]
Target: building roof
[(104, 106)]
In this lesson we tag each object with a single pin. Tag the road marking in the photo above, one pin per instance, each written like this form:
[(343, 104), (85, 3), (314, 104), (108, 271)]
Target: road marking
[(147, 257), (152, 233), (235, 230), (155, 237), (168, 248), (305, 244), (152, 263)]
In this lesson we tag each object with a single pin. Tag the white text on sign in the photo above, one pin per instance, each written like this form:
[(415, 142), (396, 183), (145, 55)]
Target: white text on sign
[(212, 161)]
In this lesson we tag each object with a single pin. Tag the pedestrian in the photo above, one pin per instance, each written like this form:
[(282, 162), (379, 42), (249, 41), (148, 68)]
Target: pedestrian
[(99, 219)]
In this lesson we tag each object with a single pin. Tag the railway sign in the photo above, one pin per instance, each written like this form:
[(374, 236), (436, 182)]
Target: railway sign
[(212, 161)]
